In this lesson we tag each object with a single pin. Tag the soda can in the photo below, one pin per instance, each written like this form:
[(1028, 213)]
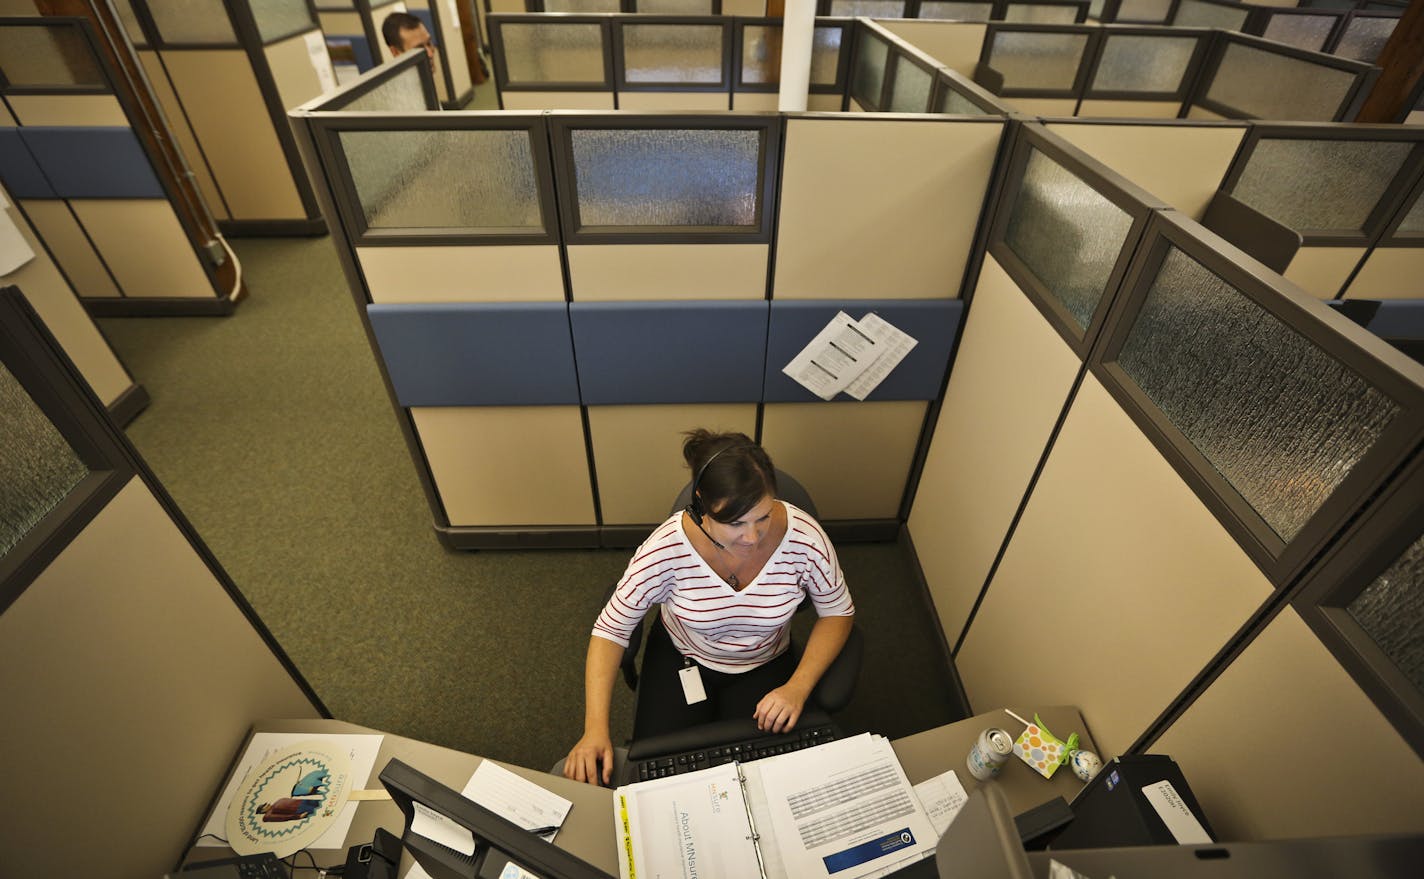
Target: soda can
[(990, 751)]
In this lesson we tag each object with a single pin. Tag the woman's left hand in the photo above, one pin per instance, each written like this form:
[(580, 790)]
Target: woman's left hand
[(779, 710)]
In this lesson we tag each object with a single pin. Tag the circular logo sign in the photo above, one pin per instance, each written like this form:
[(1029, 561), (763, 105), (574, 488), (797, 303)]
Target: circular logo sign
[(289, 799)]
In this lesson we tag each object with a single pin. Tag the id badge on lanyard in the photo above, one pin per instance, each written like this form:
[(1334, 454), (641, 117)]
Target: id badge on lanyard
[(691, 678)]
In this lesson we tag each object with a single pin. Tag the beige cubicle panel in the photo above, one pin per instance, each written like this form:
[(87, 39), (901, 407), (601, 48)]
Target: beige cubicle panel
[(1101, 108), (1284, 744), (1049, 107), (688, 101), (1182, 164), (1198, 112), (507, 273), (507, 465), (767, 102), (603, 272), (853, 458), (1117, 587), (50, 109), (57, 304), (301, 68), (954, 44), (56, 224), (144, 246), (539, 100), (221, 98), (1011, 380), (750, 8), (637, 451), (162, 90), (880, 206), (1390, 273), (1323, 271), (130, 679)]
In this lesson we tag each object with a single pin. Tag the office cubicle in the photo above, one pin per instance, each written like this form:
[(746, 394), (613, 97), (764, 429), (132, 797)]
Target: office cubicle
[(131, 668), (88, 183), (352, 29), (225, 73), (646, 62), (1350, 30)]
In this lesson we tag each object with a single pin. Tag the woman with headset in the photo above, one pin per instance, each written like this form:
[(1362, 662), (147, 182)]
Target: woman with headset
[(728, 572)]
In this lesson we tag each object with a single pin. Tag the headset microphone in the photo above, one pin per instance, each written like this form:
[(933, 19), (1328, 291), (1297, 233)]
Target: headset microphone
[(694, 509)]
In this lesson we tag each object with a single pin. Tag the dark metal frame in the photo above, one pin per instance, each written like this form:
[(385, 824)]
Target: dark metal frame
[(948, 82), (740, 24), (562, 127), (1344, 26), (1002, 8), (1389, 202), (902, 52), (54, 23), (1111, 14), (911, 9), (987, 75), (620, 63), (1387, 529), (496, 23), (1364, 74), (1411, 194), (1137, 204), (1190, 74), (326, 132), (1374, 361), (1252, 23)]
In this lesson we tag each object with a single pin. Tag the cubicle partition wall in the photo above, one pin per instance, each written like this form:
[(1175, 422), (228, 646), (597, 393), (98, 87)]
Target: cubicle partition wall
[(225, 72), (549, 319), (85, 181), (646, 62), (352, 30), (1345, 29), (1189, 432)]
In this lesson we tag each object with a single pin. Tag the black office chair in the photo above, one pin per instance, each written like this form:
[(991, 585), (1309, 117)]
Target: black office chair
[(837, 685)]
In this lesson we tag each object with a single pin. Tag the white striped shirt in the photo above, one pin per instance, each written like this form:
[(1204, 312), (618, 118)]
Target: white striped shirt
[(721, 628)]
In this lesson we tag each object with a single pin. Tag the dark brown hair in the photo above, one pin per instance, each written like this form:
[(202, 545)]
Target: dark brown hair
[(738, 476)]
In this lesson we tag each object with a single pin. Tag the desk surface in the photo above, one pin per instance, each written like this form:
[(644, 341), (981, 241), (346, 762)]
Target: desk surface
[(588, 831)]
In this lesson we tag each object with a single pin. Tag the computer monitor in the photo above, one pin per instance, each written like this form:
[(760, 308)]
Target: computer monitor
[(497, 841)]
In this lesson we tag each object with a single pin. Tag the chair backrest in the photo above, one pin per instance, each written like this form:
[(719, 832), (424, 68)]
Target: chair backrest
[(787, 489)]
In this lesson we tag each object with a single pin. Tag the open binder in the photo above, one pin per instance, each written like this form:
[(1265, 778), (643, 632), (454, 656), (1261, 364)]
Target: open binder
[(844, 809)]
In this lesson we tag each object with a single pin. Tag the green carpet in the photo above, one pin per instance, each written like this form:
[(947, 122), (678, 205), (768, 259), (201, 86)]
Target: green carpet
[(274, 434)]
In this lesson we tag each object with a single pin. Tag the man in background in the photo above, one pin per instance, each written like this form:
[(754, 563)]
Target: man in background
[(404, 32)]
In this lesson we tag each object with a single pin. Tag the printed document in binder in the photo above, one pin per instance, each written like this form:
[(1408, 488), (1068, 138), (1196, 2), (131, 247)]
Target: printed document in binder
[(842, 810)]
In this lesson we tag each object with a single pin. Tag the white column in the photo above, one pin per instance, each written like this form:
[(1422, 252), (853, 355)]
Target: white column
[(798, 26)]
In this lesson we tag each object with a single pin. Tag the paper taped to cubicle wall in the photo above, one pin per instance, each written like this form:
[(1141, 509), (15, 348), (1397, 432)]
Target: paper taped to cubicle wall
[(849, 355)]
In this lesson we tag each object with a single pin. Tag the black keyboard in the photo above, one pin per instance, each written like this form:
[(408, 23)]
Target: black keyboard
[(742, 751), (263, 866)]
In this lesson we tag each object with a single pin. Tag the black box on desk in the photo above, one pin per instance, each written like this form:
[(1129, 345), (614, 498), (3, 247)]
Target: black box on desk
[(1135, 800)]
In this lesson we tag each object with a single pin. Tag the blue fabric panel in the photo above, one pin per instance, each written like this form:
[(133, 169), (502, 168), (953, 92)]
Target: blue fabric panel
[(425, 16), (931, 322), (93, 162), (477, 354), (670, 352), (1399, 319), (18, 169), (361, 48)]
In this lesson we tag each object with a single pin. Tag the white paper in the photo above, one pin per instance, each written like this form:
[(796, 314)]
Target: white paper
[(942, 797), (834, 359), (516, 799), (321, 61), (685, 825), (436, 827), (832, 801), (15, 251), (1185, 827), (892, 345), (362, 750)]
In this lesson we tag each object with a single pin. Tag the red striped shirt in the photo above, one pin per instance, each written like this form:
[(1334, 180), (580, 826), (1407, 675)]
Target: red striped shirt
[(724, 629)]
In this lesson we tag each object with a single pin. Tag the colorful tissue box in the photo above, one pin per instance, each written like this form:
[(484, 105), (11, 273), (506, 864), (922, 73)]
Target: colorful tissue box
[(1041, 749)]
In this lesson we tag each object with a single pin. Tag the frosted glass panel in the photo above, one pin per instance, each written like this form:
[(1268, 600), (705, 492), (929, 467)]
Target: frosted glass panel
[(675, 7), (681, 53), (277, 19), (1391, 611), (1263, 85), (952, 11), (583, 6), (400, 94), (1153, 11), (197, 22), (1282, 421), (868, 8), (955, 104), (1143, 64), (1040, 13), (37, 467), (1320, 185), (47, 56), (1038, 61), (869, 75), (1192, 13), (1364, 38), (444, 179), (1067, 234), (553, 53), (1301, 31), (825, 55), (667, 177), (910, 92)]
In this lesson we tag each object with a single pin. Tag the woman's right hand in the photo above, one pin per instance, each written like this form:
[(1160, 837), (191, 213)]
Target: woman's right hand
[(591, 759)]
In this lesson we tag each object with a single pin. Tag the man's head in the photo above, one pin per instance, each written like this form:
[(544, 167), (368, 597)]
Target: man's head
[(404, 32)]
